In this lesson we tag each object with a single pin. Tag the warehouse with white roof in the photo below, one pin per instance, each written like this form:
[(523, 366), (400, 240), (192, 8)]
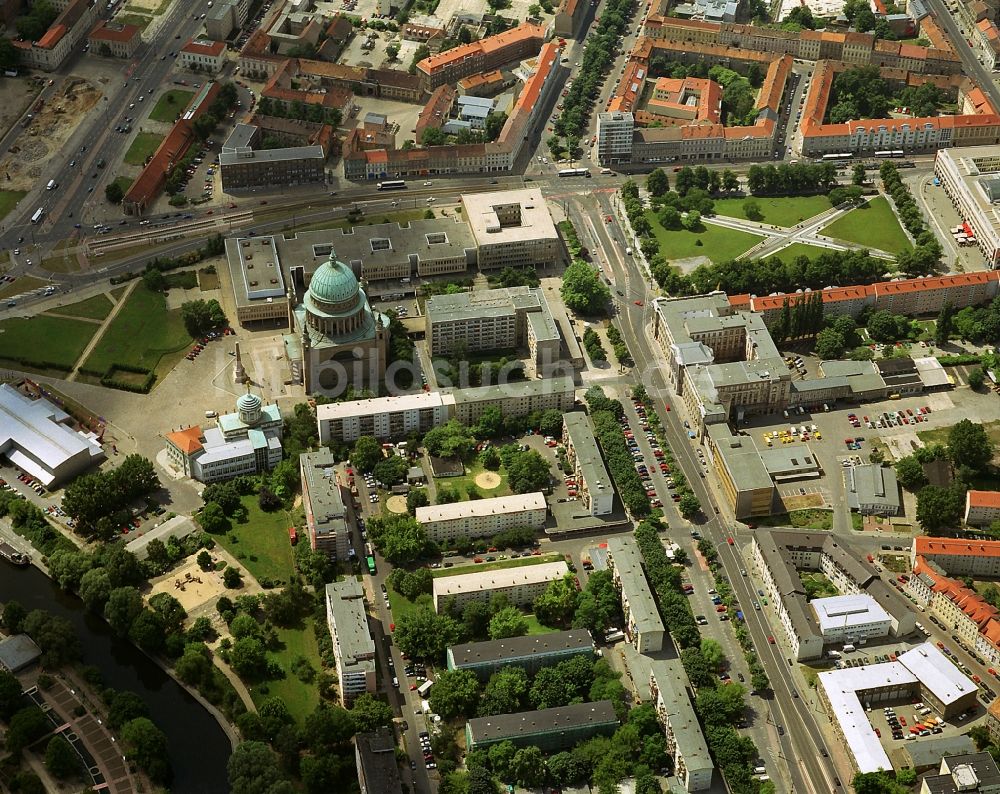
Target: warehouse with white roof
[(481, 518), (36, 436), (848, 618), (924, 673)]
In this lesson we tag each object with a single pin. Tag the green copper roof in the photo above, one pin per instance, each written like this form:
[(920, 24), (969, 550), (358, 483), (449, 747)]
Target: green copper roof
[(333, 282)]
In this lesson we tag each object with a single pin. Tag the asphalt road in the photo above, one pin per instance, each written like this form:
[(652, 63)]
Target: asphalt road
[(973, 68)]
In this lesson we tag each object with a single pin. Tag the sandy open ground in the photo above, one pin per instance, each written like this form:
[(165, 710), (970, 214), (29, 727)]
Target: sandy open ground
[(149, 6), (488, 480), (15, 95), (396, 504), (196, 589), (47, 134)]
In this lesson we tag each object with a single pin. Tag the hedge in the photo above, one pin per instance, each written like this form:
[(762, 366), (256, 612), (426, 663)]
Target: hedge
[(36, 363)]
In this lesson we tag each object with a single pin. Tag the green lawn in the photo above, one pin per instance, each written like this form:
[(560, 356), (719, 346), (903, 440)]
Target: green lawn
[(55, 340), (874, 225), (792, 252), (717, 243), (170, 105), (9, 199), (400, 605), (300, 697), (141, 21), (468, 480), (810, 518), (534, 627), (142, 333), (96, 308), (123, 182), (144, 145), (780, 211), (261, 544), (496, 565)]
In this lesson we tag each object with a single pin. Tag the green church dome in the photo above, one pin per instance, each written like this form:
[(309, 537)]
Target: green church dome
[(333, 282), (248, 403)]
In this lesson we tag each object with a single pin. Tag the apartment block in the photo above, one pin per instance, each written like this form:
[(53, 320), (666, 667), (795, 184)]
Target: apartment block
[(668, 689), (75, 21), (512, 228), (548, 729), (971, 178), (596, 491), (520, 585), (323, 502), (982, 508), (375, 757), (481, 518), (353, 646), (385, 418), (614, 138), (243, 165), (959, 557), (519, 398), (643, 624), (531, 653), (481, 56)]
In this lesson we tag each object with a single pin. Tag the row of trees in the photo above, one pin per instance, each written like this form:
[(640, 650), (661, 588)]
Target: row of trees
[(788, 179), (457, 693), (926, 256), (665, 580), (636, 750), (608, 433)]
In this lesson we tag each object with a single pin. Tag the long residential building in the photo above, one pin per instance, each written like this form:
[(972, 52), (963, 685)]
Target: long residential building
[(959, 557), (481, 518), (353, 646), (643, 624), (910, 296), (75, 20), (375, 757), (244, 164), (596, 491), (388, 418), (548, 729), (531, 653), (521, 585), (779, 555), (668, 688), (971, 178), (982, 508), (323, 502), (480, 56)]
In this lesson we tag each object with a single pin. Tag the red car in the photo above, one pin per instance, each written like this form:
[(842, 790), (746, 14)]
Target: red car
[(667, 406), (730, 541), (902, 721), (638, 303), (771, 640)]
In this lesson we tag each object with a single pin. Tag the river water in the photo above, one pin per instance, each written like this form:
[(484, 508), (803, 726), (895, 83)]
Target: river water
[(197, 744)]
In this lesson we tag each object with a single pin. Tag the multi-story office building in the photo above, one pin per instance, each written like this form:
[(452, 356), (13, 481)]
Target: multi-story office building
[(982, 508), (353, 646), (520, 585), (225, 17), (850, 618), (596, 492), (643, 624), (111, 38), (512, 228), (242, 166), (668, 689), (959, 557), (323, 501), (614, 137), (384, 418), (548, 729), (482, 518), (496, 319), (245, 442), (532, 652)]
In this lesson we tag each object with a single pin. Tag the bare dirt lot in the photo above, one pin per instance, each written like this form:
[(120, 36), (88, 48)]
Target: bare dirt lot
[(15, 96), (47, 133)]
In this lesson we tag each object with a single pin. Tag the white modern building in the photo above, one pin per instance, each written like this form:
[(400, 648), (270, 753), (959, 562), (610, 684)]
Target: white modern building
[(383, 417), (923, 672), (245, 442), (643, 624), (850, 617), (614, 137), (512, 228), (38, 437), (480, 518), (596, 492), (521, 585), (970, 176), (353, 646)]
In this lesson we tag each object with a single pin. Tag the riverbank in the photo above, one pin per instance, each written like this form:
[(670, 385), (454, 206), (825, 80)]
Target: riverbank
[(199, 738)]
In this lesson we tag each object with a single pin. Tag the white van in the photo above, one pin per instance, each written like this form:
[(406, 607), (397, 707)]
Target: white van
[(211, 414)]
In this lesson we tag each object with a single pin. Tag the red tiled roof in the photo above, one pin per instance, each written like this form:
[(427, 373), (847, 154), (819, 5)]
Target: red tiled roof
[(985, 499), (187, 441)]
